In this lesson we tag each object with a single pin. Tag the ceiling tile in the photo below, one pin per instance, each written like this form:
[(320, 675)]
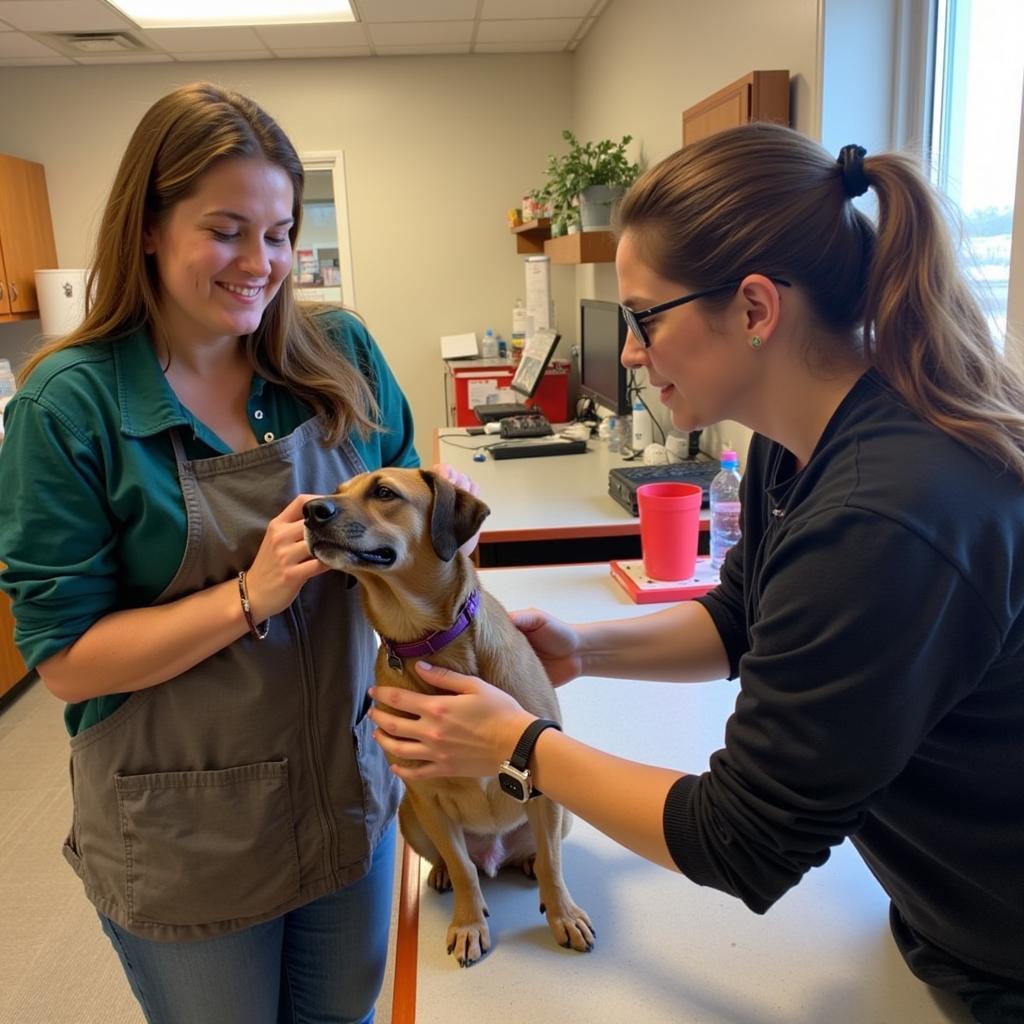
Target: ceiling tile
[(128, 58), (535, 31), (200, 40), (542, 47), (315, 51), (387, 27), (297, 37), (495, 9), (191, 58), (32, 62), (371, 11), (62, 16), (422, 33), (16, 44), (398, 51)]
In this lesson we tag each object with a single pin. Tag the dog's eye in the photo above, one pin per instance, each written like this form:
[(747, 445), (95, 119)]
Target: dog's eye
[(384, 493)]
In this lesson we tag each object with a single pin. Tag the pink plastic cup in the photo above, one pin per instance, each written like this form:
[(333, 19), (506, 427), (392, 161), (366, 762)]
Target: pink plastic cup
[(669, 524)]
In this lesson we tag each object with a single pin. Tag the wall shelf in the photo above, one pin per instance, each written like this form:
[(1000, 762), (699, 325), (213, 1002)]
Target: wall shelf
[(531, 236), (534, 238), (582, 247)]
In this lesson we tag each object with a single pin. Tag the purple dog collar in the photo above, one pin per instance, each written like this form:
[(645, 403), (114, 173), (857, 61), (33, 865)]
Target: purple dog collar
[(435, 641)]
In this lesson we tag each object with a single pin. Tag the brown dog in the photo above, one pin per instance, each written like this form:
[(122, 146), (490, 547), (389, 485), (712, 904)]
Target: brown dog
[(398, 531)]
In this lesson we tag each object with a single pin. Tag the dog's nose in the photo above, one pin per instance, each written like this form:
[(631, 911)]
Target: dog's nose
[(318, 511)]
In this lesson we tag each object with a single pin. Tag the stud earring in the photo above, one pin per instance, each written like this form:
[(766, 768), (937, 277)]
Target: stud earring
[(755, 342)]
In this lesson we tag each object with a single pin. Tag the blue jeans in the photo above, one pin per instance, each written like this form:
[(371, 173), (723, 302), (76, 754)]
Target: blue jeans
[(323, 962)]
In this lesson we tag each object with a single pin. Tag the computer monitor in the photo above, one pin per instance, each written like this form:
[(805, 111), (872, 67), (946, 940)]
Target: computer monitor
[(602, 337)]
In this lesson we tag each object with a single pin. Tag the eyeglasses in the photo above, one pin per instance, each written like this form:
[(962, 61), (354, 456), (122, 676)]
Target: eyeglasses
[(635, 319)]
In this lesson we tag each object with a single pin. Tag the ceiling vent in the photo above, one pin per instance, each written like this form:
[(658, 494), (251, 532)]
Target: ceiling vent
[(97, 43)]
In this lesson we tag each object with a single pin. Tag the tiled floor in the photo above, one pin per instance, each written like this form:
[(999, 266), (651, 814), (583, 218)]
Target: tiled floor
[(56, 965)]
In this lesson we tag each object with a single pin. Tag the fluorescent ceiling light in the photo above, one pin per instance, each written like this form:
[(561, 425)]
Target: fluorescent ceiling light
[(209, 13)]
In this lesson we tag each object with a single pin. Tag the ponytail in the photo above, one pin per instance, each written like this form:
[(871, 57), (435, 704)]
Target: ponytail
[(924, 329)]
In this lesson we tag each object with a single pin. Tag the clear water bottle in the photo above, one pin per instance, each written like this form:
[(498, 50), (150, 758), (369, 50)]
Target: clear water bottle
[(725, 508), (489, 345), (614, 434)]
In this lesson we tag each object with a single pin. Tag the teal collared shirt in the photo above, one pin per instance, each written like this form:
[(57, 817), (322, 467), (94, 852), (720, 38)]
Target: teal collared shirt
[(91, 513)]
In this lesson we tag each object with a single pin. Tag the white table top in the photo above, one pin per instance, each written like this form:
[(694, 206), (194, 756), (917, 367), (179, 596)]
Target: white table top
[(562, 495), (667, 951)]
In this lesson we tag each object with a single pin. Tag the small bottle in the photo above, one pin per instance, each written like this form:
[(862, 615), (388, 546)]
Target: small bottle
[(725, 508), (614, 434), (7, 388), (641, 426), (502, 348), (489, 345), (520, 329)]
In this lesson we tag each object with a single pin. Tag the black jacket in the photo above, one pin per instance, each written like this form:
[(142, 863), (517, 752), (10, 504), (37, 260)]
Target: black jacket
[(874, 613)]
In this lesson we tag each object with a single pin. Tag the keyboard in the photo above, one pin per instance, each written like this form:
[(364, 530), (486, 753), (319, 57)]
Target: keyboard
[(623, 482), (536, 447)]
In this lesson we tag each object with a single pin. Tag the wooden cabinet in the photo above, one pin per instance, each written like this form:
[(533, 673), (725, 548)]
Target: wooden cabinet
[(26, 236), (12, 668), (759, 96)]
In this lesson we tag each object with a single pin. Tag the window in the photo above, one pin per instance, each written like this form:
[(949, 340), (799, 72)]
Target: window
[(979, 68), (322, 268)]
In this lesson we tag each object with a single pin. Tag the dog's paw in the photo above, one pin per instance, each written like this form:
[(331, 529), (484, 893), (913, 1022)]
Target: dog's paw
[(469, 942), (571, 927), (438, 879)]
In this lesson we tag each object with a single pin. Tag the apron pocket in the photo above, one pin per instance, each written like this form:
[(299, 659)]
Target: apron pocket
[(204, 847)]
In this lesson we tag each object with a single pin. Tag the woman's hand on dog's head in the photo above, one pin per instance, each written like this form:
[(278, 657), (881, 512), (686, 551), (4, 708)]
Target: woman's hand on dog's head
[(456, 477), (459, 479), (467, 731)]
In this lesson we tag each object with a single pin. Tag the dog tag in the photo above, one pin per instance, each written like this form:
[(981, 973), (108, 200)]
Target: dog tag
[(394, 661)]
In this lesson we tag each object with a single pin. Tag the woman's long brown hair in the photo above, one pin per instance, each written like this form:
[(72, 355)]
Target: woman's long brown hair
[(177, 141)]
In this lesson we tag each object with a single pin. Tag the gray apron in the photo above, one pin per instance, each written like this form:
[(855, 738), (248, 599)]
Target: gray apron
[(249, 784)]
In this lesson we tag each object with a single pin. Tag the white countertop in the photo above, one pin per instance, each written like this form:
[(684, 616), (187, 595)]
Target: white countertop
[(561, 494), (667, 950)]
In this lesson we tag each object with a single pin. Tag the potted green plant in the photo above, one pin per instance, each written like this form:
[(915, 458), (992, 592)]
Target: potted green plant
[(586, 182)]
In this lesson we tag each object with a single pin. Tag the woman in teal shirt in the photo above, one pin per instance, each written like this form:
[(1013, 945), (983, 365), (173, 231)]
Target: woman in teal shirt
[(233, 819)]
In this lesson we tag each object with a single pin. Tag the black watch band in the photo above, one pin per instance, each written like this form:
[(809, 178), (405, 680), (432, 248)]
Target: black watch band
[(524, 748)]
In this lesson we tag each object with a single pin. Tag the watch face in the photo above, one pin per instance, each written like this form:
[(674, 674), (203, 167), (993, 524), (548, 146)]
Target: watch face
[(512, 786), (514, 782)]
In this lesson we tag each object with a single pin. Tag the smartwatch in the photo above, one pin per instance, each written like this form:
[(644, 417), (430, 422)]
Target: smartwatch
[(513, 775)]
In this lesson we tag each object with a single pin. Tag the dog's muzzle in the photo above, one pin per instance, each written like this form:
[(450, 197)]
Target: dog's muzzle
[(324, 536), (319, 512)]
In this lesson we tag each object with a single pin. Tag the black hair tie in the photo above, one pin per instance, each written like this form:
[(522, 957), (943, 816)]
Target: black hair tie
[(855, 181)]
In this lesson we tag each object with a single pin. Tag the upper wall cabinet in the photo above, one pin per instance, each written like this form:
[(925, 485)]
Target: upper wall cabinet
[(759, 96), (26, 236)]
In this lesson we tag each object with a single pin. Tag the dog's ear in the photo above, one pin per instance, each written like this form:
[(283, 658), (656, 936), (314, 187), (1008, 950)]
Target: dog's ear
[(455, 517)]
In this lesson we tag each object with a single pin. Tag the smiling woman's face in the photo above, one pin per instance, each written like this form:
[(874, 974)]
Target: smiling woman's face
[(222, 253), (693, 364)]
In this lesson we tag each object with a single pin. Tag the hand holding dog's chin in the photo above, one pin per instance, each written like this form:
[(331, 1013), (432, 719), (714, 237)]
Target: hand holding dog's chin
[(468, 731)]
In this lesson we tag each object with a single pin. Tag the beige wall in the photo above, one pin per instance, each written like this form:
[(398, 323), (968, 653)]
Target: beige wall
[(645, 61), (436, 149)]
